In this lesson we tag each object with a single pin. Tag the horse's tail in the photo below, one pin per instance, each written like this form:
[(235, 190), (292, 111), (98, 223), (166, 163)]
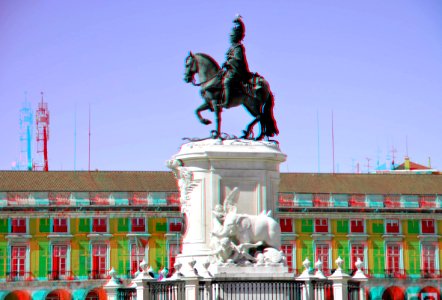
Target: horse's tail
[(269, 122)]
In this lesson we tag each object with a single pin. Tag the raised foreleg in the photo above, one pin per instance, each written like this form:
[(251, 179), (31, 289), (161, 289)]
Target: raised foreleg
[(203, 107)]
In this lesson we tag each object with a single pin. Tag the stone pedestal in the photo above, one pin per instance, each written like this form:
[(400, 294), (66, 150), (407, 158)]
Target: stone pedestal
[(209, 170)]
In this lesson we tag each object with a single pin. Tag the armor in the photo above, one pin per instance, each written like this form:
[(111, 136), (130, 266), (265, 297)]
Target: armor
[(237, 69)]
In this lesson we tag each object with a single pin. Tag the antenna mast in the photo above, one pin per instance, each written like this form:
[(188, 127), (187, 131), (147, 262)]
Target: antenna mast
[(319, 158), (333, 144), (26, 125), (89, 160), (42, 122)]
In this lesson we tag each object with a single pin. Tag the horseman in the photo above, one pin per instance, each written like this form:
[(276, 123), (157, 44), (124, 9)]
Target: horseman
[(236, 66)]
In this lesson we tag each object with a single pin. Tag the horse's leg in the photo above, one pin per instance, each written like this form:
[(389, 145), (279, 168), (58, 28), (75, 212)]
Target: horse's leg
[(203, 107), (253, 107), (218, 110)]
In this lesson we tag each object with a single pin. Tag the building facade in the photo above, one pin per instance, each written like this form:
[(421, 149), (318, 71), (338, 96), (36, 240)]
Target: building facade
[(61, 232)]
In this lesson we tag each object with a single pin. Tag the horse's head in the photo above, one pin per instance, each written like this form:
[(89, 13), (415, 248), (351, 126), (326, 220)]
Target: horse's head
[(190, 67)]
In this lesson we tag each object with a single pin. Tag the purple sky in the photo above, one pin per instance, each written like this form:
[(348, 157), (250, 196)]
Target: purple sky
[(377, 64)]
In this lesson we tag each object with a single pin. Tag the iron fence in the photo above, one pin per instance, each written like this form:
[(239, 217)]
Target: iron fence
[(251, 289), (323, 289), (167, 290), (353, 290), (127, 294)]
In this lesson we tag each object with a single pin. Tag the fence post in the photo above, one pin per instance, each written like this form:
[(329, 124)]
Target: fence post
[(192, 287), (361, 278), (307, 287), (340, 279), (112, 286), (142, 282), (192, 281)]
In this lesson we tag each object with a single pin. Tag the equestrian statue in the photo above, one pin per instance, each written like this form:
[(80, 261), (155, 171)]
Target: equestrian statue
[(232, 85)]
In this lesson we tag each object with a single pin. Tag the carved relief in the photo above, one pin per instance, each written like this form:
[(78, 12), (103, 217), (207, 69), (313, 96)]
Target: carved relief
[(185, 182), (245, 239)]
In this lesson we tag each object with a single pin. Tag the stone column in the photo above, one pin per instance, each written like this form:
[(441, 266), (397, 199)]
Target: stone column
[(142, 282), (340, 279), (306, 277), (361, 278), (209, 170), (112, 286)]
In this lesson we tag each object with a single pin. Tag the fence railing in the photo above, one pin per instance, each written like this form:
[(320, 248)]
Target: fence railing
[(127, 294), (97, 274), (323, 289), (19, 276), (251, 289), (353, 290), (60, 275), (160, 290), (214, 289)]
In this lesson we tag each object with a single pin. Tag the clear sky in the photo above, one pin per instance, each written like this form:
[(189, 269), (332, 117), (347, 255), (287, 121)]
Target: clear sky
[(376, 64)]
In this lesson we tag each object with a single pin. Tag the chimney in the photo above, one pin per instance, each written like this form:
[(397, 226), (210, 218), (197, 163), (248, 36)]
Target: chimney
[(407, 163)]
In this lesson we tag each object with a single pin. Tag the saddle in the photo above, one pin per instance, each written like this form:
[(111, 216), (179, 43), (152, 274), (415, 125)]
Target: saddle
[(251, 86)]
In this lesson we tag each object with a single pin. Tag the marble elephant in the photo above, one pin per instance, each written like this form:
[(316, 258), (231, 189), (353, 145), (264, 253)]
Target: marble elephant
[(245, 229)]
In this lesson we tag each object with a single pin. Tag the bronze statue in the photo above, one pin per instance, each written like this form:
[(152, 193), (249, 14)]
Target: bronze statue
[(232, 87), (237, 68)]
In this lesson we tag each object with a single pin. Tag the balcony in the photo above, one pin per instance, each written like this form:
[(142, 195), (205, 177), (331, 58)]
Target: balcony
[(59, 275), (19, 276), (430, 274), (98, 274), (394, 273)]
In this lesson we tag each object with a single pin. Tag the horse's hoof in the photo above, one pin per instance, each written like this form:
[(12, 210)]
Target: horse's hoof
[(206, 122)]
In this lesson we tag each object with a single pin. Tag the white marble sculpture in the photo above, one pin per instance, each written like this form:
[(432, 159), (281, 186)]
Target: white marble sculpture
[(238, 234)]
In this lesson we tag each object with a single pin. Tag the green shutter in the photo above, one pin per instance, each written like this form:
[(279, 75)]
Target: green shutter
[(84, 225), (161, 226), (307, 251), (307, 226), (413, 226), (45, 225), (378, 257), (342, 226), (123, 257), (343, 251), (4, 225), (413, 258), (378, 226), (3, 259), (123, 225), (43, 259), (84, 258)]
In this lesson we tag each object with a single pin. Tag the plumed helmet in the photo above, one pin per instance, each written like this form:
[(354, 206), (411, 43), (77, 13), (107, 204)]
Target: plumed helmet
[(238, 27)]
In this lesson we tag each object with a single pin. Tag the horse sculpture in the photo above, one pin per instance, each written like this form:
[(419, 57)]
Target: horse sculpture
[(255, 96)]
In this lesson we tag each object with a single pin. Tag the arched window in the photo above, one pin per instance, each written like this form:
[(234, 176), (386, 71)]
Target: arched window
[(92, 295)]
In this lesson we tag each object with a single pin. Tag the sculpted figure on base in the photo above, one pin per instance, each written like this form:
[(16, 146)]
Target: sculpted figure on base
[(243, 238)]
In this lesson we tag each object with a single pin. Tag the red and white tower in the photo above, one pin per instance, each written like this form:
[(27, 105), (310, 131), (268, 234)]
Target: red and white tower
[(42, 121)]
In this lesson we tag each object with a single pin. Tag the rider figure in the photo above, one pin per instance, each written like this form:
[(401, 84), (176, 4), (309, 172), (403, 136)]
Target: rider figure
[(237, 68)]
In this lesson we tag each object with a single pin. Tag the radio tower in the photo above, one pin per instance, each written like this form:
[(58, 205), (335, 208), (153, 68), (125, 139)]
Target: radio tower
[(26, 125), (42, 121)]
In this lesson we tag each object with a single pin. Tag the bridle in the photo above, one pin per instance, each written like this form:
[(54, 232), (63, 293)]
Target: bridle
[(217, 74)]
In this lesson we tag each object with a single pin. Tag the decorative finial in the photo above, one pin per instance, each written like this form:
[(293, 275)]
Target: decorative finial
[(339, 261), (359, 264), (306, 264), (143, 266), (113, 273), (318, 265)]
